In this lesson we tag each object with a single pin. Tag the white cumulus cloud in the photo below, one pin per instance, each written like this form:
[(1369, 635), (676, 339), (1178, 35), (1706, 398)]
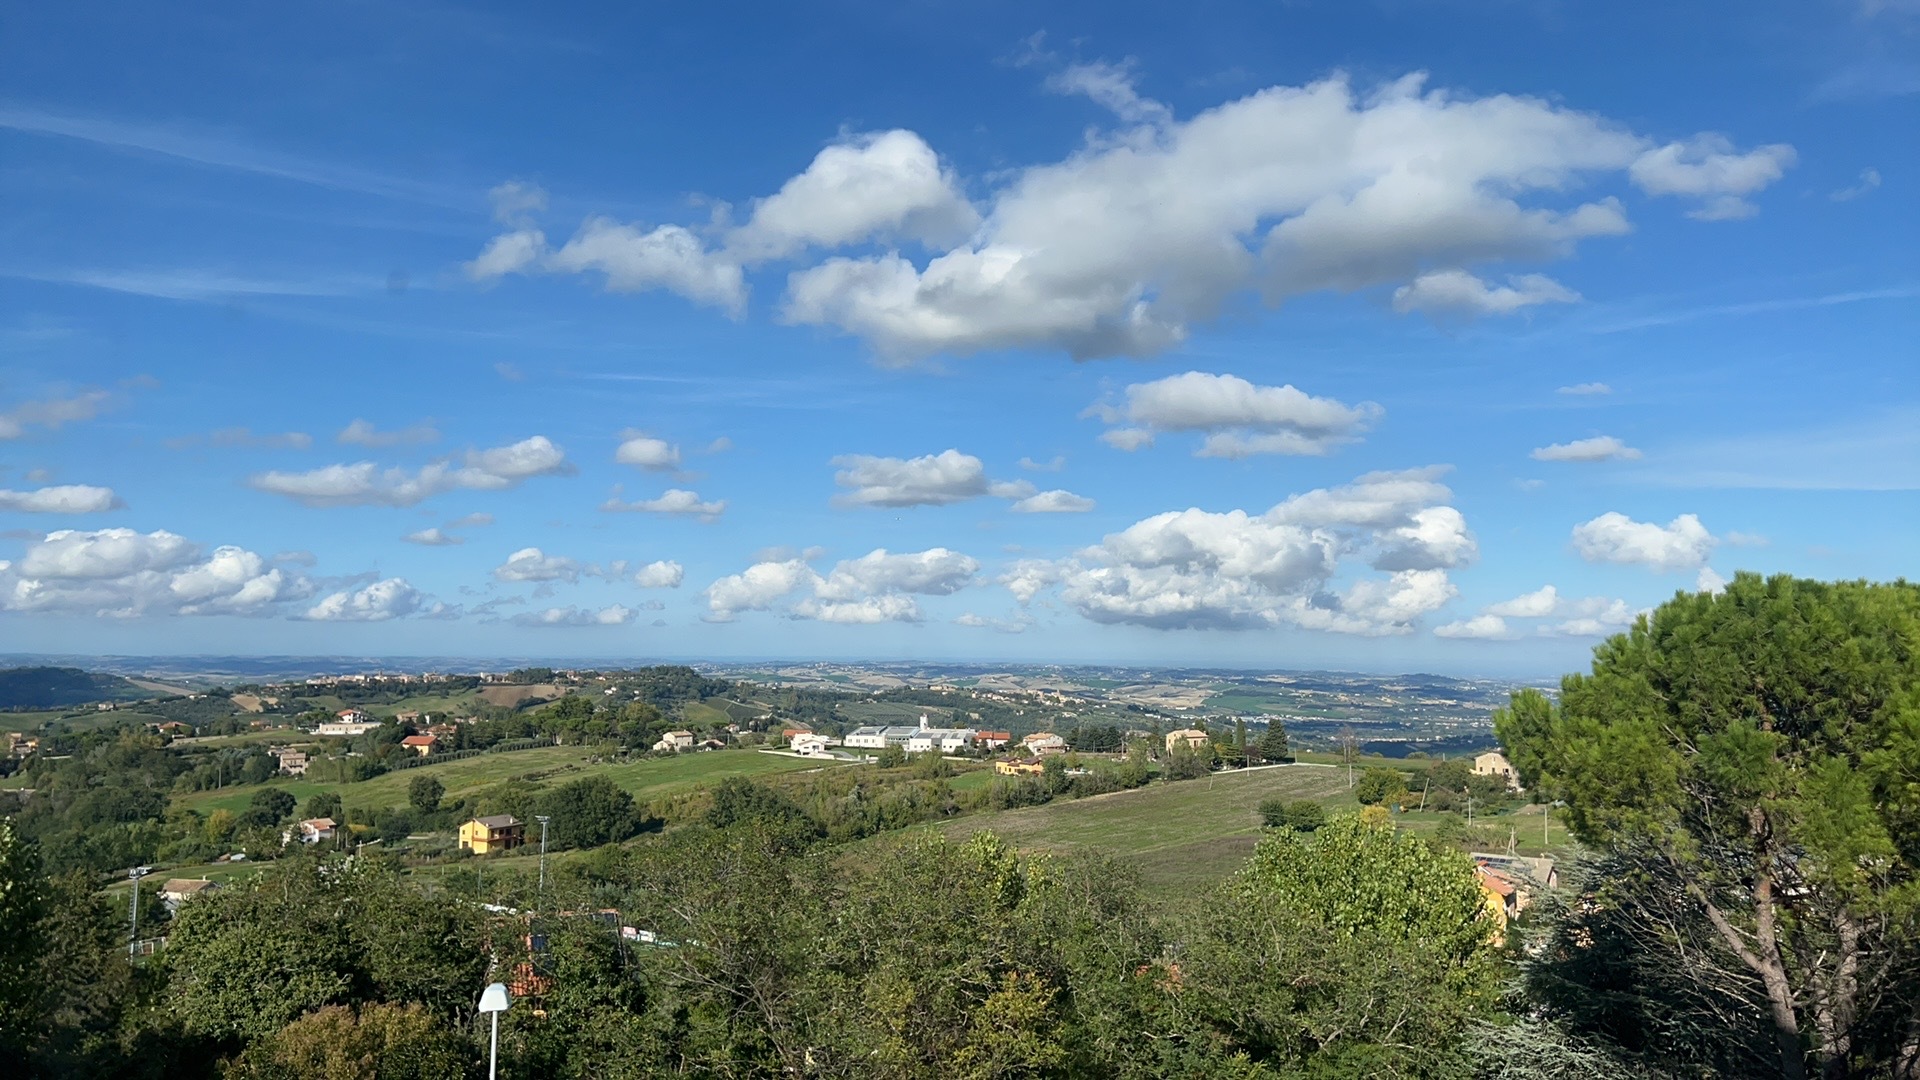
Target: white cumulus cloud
[(393, 598), (1480, 627), (1598, 448), (1120, 246), (664, 574), (1457, 292), (433, 537), (1057, 501), (645, 452), (674, 501), (366, 484), (876, 587), (933, 572), (1238, 417), (931, 480), (1196, 569), (61, 499), (122, 573), (611, 615), (757, 587), (1595, 616), (887, 184), (668, 257), (1537, 604), (532, 564), (1681, 544), (1709, 168)]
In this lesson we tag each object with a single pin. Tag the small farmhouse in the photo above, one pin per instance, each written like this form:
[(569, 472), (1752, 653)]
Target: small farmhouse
[(485, 835), (1494, 763), (178, 891), (312, 831), (1191, 738)]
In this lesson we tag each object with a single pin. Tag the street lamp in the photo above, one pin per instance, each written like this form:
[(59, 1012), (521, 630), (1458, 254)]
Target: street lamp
[(133, 935), (543, 819), (495, 1000)]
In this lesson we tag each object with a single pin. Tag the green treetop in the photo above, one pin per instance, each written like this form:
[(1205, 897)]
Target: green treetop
[(1758, 751)]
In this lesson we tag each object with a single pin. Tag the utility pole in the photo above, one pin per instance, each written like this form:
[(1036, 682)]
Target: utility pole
[(543, 819), (133, 935), (1469, 793)]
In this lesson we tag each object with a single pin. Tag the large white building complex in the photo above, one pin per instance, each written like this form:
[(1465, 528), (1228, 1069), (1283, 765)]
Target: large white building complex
[(914, 740)]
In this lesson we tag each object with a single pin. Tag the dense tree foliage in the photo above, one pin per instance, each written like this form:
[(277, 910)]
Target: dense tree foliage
[(23, 900), (424, 793), (1381, 787), (249, 959), (1385, 937), (373, 1042), (1300, 815), (589, 812), (1754, 756)]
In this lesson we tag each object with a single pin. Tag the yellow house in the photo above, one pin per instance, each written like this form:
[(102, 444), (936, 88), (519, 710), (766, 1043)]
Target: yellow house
[(501, 832), (1018, 768), (1500, 900), (1192, 738)]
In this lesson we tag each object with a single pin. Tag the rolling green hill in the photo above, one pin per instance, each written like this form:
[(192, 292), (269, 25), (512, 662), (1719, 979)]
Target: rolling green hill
[(55, 687)]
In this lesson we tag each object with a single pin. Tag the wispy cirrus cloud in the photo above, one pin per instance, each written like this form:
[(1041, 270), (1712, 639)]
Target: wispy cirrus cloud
[(223, 151), (243, 438), (198, 285)]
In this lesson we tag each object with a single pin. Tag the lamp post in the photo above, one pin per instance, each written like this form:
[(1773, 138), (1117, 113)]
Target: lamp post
[(133, 935), (543, 819), (494, 1000)]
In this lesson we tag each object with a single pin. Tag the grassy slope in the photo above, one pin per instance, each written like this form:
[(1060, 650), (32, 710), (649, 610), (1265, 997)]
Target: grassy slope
[(648, 779), (700, 714), (1182, 836)]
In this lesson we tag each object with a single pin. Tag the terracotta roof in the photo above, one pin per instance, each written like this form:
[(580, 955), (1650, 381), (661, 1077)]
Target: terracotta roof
[(1500, 886), (419, 740)]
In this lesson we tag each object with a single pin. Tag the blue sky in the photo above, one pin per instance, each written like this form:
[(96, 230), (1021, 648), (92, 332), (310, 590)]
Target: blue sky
[(1394, 335)]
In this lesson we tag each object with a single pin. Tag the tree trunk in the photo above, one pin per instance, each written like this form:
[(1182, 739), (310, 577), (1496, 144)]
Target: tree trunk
[(1834, 1008), (1763, 959)]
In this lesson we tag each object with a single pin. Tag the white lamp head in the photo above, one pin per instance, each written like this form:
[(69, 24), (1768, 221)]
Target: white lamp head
[(495, 998)]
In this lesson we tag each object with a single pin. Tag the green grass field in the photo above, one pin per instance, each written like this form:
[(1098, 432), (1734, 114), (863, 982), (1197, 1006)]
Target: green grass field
[(79, 720), (649, 779), (1183, 837), (897, 713), (703, 715), (221, 872)]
